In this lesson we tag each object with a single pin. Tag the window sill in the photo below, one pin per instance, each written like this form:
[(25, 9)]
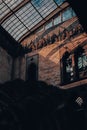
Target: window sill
[(74, 83)]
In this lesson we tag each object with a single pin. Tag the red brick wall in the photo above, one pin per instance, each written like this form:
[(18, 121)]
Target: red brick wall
[(49, 61)]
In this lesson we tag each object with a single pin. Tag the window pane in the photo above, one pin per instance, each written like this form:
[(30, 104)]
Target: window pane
[(70, 69), (12, 3), (74, 14), (48, 25), (59, 2), (57, 20), (67, 14), (8, 5), (82, 65), (44, 6), (29, 15), (14, 26), (3, 10)]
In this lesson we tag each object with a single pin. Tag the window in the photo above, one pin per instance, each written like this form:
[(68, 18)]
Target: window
[(74, 66), (82, 65), (57, 20), (68, 68), (59, 2), (73, 13), (40, 29), (49, 25), (67, 14)]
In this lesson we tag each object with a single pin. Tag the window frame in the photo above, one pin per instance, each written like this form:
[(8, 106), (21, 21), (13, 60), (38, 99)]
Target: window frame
[(76, 53)]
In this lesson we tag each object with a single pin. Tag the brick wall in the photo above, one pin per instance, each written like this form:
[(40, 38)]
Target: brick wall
[(49, 61), (48, 65)]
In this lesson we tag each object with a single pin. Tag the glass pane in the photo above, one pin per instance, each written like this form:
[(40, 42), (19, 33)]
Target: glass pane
[(57, 20), (20, 35), (67, 14), (84, 61), (48, 25), (74, 14), (59, 2), (33, 24), (43, 6), (7, 5), (12, 3), (3, 10), (29, 15), (14, 26), (48, 12), (70, 68), (82, 66)]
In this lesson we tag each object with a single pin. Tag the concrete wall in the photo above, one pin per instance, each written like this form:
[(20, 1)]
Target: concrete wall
[(5, 66)]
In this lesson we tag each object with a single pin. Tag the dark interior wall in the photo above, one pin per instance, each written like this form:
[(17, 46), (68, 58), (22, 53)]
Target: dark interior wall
[(19, 68), (6, 60), (80, 9), (5, 66), (10, 53)]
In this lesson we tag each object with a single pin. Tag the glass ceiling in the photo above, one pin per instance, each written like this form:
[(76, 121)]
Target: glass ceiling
[(20, 16)]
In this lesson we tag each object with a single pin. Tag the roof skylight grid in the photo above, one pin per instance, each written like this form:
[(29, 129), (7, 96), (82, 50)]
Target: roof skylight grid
[(43, 6), (7, 5), (20, 21), (28, 15), (3, 9), (13, 25), (21, 34), (12, 3)]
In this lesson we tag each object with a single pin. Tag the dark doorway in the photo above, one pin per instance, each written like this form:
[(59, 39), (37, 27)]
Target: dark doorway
[(32, 68), (32, 72)]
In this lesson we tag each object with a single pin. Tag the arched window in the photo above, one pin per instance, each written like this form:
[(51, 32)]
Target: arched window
[(68, 73), (81, 58), (74, 66)]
